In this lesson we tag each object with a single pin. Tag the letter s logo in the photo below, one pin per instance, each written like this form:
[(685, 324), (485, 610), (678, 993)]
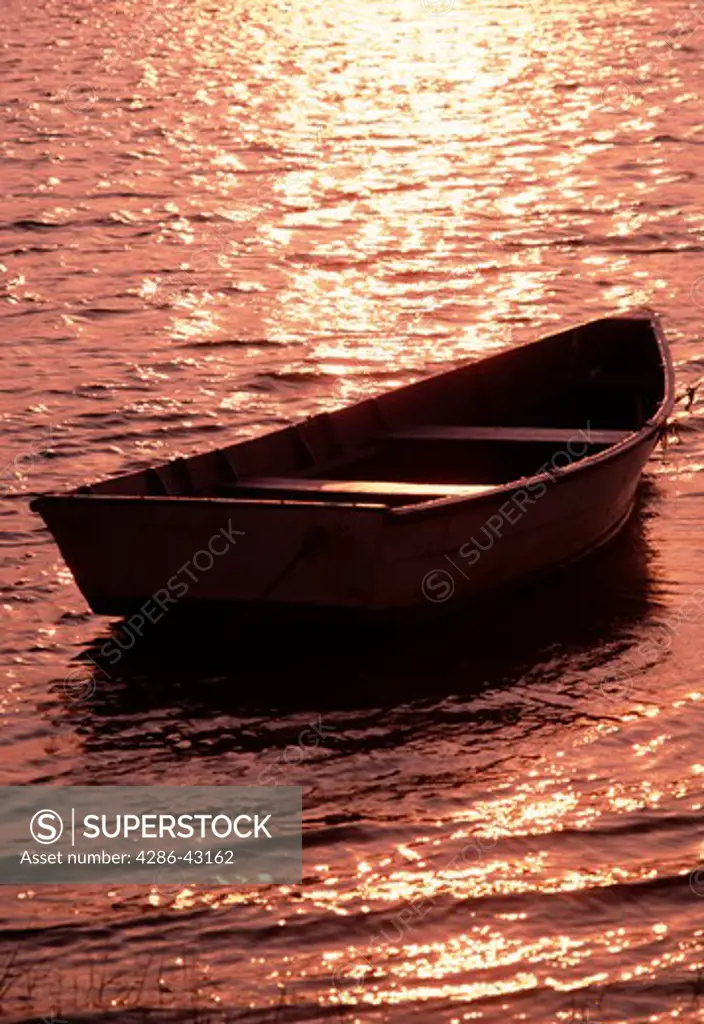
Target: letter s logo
[(46, 827), (438, 585)]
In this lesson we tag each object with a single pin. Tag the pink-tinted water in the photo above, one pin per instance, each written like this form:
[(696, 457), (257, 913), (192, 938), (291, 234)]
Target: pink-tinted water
[(217, 217)]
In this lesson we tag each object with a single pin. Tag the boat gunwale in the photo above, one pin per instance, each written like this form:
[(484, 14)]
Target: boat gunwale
[(182, 499)]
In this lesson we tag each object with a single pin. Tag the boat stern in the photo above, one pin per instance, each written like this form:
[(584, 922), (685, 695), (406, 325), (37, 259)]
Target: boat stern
[(125, 552)]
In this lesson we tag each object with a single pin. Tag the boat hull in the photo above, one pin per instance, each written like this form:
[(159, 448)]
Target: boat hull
[(123, 557), (456, 485), (225, 552), (531, 530)]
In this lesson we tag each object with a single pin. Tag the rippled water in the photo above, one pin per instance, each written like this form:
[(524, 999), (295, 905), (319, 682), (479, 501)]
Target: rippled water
[(217, 217)]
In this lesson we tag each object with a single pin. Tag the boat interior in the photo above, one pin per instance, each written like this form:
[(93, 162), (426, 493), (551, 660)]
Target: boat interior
[(459, 433)]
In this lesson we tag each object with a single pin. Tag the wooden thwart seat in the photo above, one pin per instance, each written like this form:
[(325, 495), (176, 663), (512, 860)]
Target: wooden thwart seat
[(557, 435), (367, 492)]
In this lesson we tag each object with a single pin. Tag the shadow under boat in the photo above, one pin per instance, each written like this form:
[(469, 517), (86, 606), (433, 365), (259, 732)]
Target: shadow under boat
[(226, 663)]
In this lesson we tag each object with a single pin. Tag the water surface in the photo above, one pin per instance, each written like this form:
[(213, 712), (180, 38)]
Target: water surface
[(217, 217)]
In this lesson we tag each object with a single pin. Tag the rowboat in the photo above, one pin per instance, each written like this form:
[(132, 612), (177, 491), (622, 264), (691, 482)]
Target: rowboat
[(461, 483)]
